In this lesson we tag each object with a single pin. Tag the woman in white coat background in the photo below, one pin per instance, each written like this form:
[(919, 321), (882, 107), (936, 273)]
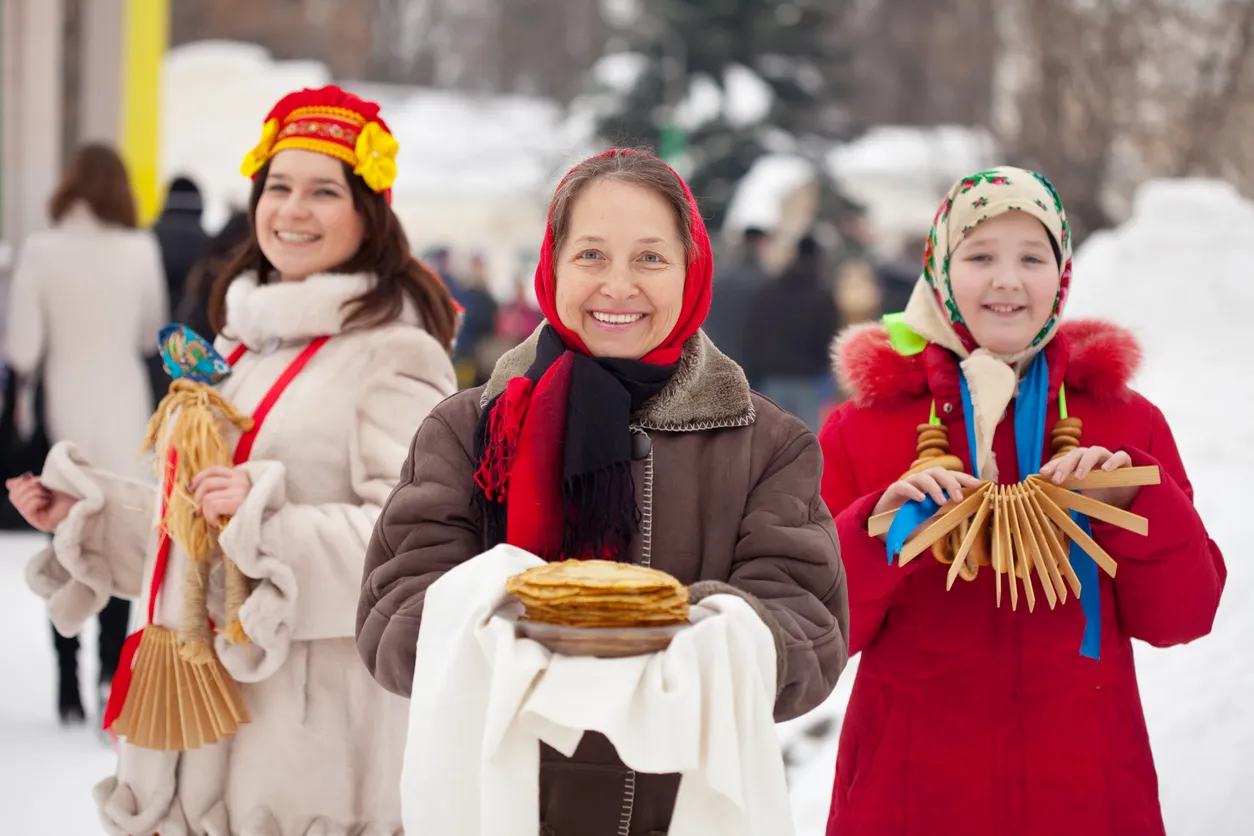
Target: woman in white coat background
[(85, 305)]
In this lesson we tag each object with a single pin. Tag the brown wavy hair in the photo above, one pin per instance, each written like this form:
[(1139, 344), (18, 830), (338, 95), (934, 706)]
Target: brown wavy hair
[(97, 176), (384, 252)]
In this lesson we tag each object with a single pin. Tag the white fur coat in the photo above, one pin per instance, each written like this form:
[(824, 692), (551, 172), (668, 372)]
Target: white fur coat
[(322, 754)]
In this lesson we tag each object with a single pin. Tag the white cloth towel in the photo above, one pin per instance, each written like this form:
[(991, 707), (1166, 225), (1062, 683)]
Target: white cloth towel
[(483, 700)]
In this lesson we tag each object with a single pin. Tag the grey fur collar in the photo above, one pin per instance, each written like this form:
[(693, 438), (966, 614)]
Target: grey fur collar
[(708, 391)]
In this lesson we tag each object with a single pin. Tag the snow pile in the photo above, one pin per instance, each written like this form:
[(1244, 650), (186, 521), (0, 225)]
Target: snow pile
[(762, 192), (899, 173), (472, 147), (1177, 274), (47, 772), (943, 153)]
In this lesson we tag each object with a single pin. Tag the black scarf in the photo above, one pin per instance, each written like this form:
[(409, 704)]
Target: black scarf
[(599, 512)]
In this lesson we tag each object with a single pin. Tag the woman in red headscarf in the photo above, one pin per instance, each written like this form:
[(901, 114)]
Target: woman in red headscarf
[(618, 431)]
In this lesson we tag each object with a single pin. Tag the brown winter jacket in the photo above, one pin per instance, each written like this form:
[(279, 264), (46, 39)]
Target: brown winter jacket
[(729, 492)]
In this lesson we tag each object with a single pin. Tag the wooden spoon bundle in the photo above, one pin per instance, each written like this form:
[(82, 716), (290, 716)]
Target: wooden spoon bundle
[(180, 695), (1027, 528), (1021, 528), (174, 704)]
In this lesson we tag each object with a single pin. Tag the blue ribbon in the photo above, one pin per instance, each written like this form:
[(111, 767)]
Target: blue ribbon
[(1090, 593), (909, 516), (1030, 407)]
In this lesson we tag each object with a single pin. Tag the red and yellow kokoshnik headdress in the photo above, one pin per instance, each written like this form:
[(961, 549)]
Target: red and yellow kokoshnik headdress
[(334, 122)]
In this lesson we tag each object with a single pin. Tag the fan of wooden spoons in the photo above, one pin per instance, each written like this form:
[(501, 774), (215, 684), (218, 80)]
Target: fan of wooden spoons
[(1021, 528)]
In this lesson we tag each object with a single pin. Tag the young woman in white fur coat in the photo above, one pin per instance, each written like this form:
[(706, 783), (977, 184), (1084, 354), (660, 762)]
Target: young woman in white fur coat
[(322, 753)]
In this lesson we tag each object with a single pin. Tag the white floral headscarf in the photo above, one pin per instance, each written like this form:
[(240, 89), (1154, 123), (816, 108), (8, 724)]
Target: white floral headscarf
[(933, 314)]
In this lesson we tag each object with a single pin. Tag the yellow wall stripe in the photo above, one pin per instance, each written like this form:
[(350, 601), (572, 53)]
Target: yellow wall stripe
[(146, 37)]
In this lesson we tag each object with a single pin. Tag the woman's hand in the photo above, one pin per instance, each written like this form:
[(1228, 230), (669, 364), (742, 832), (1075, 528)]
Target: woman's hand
[(41, 507), (1081, 461), (936, 482), (219, 492)]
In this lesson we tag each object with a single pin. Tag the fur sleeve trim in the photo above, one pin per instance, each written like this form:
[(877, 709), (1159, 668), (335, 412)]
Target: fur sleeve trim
[(68, 573), (270, 611)]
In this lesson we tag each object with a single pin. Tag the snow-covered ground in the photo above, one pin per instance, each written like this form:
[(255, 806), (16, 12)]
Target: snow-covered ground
[(46, 772)]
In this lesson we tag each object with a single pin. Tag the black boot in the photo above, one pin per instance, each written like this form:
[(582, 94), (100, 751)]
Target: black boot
[(69, 701)]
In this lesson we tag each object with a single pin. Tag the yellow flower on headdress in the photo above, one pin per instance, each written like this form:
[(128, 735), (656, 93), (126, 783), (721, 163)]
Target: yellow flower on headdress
[(256, 158), (376, 157)]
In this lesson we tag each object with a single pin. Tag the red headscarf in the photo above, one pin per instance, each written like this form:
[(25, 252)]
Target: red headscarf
[(566, 472), (698, 282)]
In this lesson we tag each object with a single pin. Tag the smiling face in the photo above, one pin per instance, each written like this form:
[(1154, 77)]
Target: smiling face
[(620, 269), (1005, 279), (306, 222)]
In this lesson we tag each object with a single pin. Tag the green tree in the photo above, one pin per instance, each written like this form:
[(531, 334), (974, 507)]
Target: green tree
[(796, 49)]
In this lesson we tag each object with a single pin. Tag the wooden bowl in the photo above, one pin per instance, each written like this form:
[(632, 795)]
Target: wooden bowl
[(599, 642)]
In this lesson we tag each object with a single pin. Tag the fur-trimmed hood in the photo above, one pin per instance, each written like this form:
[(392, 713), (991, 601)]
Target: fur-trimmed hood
[(707, 391), (1094, 356)]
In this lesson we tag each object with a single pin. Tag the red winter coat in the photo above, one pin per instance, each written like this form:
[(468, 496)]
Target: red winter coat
[(973, 720)]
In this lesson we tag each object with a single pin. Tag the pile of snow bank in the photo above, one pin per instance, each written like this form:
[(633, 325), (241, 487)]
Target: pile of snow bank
[(1178, 274), (900, 174), (942, 153), (472, 147), (761, 193)]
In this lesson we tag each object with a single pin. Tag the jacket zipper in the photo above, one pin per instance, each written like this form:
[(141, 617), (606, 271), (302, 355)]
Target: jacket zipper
[(629, 803), (646, 512), (646, 558)]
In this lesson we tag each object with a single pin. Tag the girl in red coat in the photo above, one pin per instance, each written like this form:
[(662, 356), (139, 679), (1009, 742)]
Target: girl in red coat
[(968, 717)]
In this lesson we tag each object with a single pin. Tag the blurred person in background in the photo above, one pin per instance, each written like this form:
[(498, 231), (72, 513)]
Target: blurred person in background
[(440, 259), (182, 240), (737, 285), (854, 282), (193, 309), (472, 356), (324, 295), (517, 319), (86, 303), (896, 277), (788, 333)]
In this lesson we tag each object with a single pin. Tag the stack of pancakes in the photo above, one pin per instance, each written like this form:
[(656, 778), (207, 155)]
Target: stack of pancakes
[(600, 593)]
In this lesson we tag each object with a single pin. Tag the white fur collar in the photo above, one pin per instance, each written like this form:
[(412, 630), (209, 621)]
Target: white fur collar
[(261, 316)]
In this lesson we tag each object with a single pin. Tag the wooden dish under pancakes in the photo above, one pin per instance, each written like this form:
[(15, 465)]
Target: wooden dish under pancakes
[(599, 608)]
